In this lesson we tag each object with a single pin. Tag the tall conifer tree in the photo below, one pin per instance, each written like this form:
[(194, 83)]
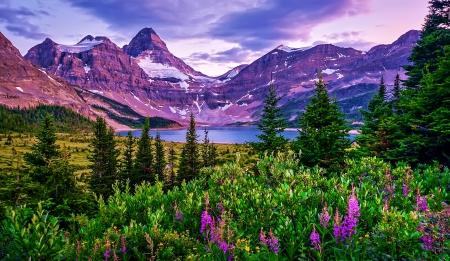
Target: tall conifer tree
[(143, 166), (272, 125), (323, 138), (127, 170), (103, 158), (160, 159), (171, 177), (190, 163)]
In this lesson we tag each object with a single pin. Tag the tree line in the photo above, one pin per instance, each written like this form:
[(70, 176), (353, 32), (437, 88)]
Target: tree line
[(410, 124)]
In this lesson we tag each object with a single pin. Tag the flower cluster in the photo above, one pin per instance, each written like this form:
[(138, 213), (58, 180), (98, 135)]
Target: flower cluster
[(178, 213), (315, 239), (216, 232), (406, 189), (269, 241), (345, 230), (421, 203), (324, 216)]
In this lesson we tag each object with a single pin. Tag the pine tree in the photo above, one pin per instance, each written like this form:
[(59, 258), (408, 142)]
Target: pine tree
[(143, 167), (396, 92), (382, 90), (46, 149), (103, 158), (374, 140), (323, 138), (189, 159), (127, 171), (434, 36), (171, 177), (272, 124), (208, 151), (160, 159), (425, 125)]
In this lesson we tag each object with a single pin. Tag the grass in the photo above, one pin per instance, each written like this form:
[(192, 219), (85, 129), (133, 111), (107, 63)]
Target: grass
[(78, 146)]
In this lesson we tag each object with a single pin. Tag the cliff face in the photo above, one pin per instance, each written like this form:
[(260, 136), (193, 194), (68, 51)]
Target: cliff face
[(24, 84), (145, 76)]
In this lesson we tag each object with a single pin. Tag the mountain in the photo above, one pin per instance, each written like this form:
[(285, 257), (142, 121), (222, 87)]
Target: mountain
[(153, 56), (231, 73), (24, 84), (146, 77), (352, 76)]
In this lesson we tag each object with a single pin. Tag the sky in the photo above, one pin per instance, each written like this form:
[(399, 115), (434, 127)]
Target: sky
[(214, 36)]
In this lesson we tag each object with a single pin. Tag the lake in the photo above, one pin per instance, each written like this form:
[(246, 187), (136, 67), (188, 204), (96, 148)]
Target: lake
[(228, 134)]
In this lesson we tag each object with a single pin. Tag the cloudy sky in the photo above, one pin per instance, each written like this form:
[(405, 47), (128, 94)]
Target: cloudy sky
[(214, 35)]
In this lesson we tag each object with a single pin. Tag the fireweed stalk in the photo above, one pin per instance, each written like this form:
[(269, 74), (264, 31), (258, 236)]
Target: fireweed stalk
[(347, 229), (315, 239), (214, 231), (178, 213), (269, 241), (324, 216)]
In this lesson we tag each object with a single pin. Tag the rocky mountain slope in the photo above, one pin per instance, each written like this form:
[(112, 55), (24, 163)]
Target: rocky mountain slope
[(24, 84), (145, 76)]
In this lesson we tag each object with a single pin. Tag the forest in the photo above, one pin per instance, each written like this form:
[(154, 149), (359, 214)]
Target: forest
[(318, 197)]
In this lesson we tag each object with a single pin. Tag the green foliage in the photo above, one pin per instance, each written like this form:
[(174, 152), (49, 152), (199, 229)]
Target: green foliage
[(171, 179), (323, 138), (373, 140), (424, 125), (103, 159), (208, 152), (143, 165), (285, 201), (28, 120), (272, 124), (29, 235), (189, 159), (160, 158), (435, 36), (127, 169)]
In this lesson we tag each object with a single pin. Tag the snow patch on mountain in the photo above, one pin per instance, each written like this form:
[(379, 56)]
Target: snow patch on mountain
[(86, 68), (20, 89), (157, 70), (329, 71), (83, 46), (290, 49)]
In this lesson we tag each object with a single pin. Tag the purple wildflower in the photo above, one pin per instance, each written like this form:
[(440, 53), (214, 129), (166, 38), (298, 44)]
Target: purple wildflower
[(178, 213), (223, 246), (427, 242), (337, 225), (123, 247), (353, 205), (405, 190), (315, 239), (230, 257), (324, 216), (107, 255), (273, 242), (262, 238), (422, 204), (206, 220), (386, 205), (220, 208)]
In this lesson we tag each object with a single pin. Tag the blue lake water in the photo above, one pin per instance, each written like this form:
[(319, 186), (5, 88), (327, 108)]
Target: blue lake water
[(228, 134)]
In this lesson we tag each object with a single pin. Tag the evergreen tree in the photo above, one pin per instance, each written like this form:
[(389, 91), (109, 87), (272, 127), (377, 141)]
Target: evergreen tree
[(323, 138), (434, 36), (171, 177), (396, 92), (103, 158), (272, 124), (190, 163), (373, 140), (127, 171), (208, 152), (425, 124), (143, 167), (46, 149), (160, 159), (382, 90)]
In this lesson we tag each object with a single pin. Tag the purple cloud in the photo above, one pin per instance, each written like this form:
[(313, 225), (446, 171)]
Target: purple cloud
[(253, 24), (17, 23)]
